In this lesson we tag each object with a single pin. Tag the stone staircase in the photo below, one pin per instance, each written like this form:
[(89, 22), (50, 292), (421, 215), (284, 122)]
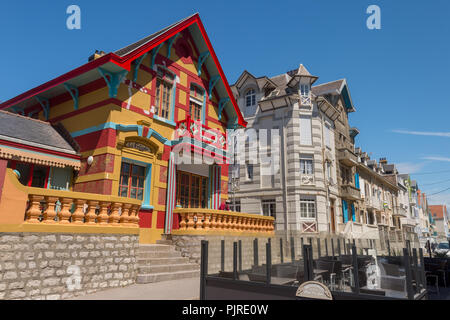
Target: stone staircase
[(161, 262)]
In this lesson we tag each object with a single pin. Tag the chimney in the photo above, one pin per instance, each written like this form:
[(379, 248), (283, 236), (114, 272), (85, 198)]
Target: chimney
[(96, 55), (383, 161)]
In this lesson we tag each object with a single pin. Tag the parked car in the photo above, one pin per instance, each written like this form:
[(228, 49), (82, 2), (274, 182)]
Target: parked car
[(442, 248)]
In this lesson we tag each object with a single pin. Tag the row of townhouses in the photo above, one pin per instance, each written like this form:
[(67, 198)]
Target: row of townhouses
[(323, 184)]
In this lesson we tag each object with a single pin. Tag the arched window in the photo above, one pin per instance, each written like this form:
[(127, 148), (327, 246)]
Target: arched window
[(250, 98)]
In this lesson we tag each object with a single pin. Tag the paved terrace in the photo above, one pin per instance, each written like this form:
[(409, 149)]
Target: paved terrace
[(182, 289)]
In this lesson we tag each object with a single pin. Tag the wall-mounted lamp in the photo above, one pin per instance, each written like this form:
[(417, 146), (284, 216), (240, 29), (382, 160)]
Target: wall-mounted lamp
[(90, 159)]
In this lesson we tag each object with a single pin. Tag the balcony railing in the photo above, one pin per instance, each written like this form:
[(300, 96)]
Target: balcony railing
[(350, 192), (400, 211), (347, 157), (209, 221), (198, 131), (30, 207), (76, 208)]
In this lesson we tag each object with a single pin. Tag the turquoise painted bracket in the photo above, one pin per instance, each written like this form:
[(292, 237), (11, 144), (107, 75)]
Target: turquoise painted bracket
[(170, 44), (212, 84), (74, 93), (131, 127), (222, 104), (17, 110), (158, 136), (201, 59), (114, 80), (154, 53), (45, 104), (137, 64)]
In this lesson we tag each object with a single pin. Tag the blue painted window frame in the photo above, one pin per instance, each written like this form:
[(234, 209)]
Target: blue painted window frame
[(147, 183)]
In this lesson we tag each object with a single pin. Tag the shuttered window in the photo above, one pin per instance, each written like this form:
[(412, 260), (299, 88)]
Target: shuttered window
[(305, 131)]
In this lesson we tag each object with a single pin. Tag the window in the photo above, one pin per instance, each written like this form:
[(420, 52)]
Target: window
[(131, 184), (249, 171), (306, 166), (307, 208), (304, 89), (192, 190), (196, 102), (30, 174), (236, 206), (269, 207), (250, 98), (327, 136), (328, 168), (164, 84), (305, 131)]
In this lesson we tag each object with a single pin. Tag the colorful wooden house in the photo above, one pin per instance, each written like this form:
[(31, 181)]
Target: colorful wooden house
[(134, 111)]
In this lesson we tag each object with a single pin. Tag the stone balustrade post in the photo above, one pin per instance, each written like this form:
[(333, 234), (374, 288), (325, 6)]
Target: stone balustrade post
[(114, 217), (125, 218), (103, 217), (50, 213), (90, 215), (64, 215), (34, 211), (78, 214)]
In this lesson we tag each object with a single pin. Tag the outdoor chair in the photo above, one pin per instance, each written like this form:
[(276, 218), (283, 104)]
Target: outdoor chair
[(327, 265), (392, 278)]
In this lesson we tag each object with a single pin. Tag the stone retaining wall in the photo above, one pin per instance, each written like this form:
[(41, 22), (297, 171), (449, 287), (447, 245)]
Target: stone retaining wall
[(47, 265)]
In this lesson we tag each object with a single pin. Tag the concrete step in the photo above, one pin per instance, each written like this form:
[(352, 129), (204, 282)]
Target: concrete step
[(147, 269), (168, 242), (158, 254), (161, 261), (164, 276), (155, 248)]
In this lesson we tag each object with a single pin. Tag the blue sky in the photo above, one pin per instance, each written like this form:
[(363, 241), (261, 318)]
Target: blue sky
[(398, 76)]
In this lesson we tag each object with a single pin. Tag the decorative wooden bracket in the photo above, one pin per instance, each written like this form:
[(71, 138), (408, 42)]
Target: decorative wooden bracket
[(45, 104), (114, 80), (154, 53), (74, 93), (170, 43), (201, 59), (212, 83), (137, 64), (222, 104)]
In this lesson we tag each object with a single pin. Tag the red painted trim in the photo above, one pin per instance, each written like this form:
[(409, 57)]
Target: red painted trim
[(13, 164), (110, 57), (125, 62), (37, 149), (46, 177), (30, 177)]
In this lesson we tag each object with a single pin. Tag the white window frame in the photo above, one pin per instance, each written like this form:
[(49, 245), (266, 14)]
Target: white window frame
[(270, 203), (250, 95), (304, 168), (310, 206)]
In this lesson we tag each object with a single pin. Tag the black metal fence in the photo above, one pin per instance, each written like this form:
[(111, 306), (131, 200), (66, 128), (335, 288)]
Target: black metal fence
[(349, 272)]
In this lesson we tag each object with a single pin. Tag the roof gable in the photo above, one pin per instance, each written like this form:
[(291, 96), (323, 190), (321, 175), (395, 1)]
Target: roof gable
[(123, 58)]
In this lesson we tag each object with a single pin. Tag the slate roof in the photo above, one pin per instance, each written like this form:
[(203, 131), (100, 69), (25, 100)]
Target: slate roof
[(33, 130), (124, 51), (327, 87)]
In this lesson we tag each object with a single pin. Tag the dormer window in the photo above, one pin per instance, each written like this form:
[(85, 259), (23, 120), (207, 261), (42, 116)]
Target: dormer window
[(250, 98), (304, 90)]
